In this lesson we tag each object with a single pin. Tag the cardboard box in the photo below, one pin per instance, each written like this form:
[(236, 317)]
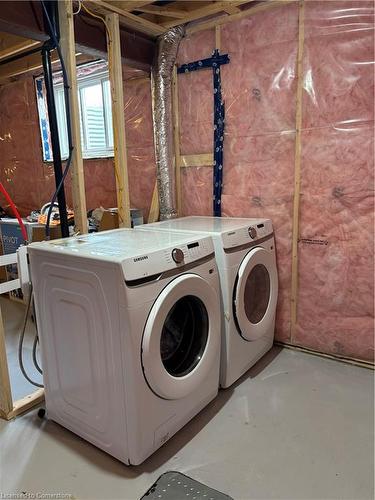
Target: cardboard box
[(110, 219)]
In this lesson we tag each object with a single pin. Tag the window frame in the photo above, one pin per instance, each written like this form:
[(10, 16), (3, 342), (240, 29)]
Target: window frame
[(99, 78)]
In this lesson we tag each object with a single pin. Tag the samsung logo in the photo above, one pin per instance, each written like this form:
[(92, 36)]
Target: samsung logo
[(137, 259)]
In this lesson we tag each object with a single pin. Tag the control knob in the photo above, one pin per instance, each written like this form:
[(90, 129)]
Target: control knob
[(252, 232), (177, 255)]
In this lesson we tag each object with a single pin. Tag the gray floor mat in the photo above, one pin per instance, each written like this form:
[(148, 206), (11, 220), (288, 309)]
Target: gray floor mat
[(176, 486)]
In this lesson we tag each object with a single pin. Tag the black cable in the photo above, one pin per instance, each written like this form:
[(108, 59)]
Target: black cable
[(20, 342), (67, 113), (35, 360)]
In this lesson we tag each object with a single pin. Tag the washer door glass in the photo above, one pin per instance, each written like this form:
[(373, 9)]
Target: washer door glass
[(181, 339), (255, 294), (184, 336)]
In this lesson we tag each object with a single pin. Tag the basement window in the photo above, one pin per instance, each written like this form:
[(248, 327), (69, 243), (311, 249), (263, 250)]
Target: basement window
[(94, 97)]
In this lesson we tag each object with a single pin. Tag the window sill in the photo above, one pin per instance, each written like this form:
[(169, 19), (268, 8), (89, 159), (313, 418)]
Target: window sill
[(97, 156)]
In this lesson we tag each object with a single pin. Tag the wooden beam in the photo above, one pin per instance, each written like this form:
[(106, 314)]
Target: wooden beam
[(218, 38), (12, 44), (153, 215), (163, 11), (67, 44), (176, 139), (200, 160), (136, 22), (6, 401), (118, 119), (26, 403), (232, 10), (297, 169), (30, 63), (235, 17), (208, 10), (131, 4)]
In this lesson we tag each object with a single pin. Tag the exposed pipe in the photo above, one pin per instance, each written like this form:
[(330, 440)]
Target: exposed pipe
[(162, 70), (55, 142)]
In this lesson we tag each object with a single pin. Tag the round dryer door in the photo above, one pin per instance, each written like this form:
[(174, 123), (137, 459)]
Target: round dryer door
[(181, 339), (255, 294)]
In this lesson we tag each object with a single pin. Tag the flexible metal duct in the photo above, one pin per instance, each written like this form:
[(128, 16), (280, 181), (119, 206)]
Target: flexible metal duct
[(167, 47)]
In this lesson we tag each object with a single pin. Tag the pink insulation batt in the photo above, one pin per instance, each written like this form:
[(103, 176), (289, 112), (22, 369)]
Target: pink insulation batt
[(335, 252)]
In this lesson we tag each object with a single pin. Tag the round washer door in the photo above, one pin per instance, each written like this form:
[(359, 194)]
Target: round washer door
[(181, 338), (255, 294)]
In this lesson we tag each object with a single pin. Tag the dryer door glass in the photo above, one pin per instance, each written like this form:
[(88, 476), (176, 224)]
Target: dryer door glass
[(257, 293), (184, 336)]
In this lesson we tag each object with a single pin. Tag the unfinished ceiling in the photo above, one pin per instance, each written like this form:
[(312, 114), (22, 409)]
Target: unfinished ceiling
[(155, 17)]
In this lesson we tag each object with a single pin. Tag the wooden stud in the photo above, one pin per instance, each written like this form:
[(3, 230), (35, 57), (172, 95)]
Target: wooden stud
[(207, 10), (29, 63), (176, 139), (6, 401), (12, 44), (131, 4), (67, 43), (199, 160), (153, 215), (136, 22), (235, 17), (163, 11), (297, 169), (118, 119), (26, 403), (218, 38)]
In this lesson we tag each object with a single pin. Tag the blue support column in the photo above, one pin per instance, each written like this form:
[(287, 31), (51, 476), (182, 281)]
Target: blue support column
[(214, 62)]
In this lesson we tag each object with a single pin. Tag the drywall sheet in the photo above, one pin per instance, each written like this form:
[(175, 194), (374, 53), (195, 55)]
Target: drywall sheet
[(30, 181), (259, 85)]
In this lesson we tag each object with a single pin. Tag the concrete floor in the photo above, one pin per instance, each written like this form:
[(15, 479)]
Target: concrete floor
[(295, 427), (13, 314)]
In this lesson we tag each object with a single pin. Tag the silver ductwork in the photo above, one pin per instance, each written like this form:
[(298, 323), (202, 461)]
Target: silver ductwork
[(162, 70)]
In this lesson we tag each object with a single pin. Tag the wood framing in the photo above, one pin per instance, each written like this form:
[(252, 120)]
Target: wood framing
[(129, 19), (218, 38), (176, 139), (6, 401), (235, 17), (207, 10), (67, 43), (11, 45), (199, 160), (9, 408), (118, 119), (153, 215), (297, 169)]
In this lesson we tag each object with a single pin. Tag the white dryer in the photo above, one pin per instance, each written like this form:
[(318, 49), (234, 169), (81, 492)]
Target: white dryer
[(246, 257), (129, 325)]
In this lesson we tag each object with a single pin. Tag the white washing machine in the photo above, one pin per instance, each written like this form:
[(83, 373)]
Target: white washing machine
[(129, 325), (246, 257)]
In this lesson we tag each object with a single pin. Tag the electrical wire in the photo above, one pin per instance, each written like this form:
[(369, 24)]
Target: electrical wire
[(21, 339), (35, 360), (15, 211), (68, 118)]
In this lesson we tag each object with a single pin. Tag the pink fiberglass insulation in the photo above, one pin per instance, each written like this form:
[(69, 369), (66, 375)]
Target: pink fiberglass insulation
[(21, 149), (335, 298)]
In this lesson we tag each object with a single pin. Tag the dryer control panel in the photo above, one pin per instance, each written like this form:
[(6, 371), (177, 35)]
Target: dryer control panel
[(254, 231)]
